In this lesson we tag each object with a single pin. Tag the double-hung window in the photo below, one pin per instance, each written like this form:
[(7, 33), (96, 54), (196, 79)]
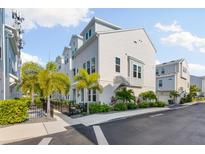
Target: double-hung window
[(160, 83), (89, 33), (139, 72), (117, 64), (88, 67), (89, 95), (94, 95), (84, 66), (134, 71), (92, 65)]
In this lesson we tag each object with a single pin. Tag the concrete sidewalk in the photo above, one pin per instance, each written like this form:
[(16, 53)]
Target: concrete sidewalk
[(26, 131)]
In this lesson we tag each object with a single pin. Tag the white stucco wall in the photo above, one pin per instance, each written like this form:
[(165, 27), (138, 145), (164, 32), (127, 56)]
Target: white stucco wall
[(121, 44)]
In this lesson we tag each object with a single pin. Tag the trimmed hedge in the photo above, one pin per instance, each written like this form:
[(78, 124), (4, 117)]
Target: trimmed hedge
[(120, 107), (131, 106), (98, 108), (13, 111), (144, 105)]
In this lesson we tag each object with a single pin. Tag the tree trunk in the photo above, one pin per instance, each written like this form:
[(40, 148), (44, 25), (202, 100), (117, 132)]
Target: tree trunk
[(32, 96), (88, 111), (48, 108)]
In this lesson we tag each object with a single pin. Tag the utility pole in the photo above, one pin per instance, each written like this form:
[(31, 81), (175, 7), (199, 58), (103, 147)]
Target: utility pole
[(4, 53)]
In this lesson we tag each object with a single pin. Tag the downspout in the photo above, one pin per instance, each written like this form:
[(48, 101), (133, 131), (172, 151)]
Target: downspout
[(4, 56)]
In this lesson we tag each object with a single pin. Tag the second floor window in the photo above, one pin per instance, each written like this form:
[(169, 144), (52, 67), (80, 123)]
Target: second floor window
[(157, 72), (89, 33), (86, 36), (139, 72), (134, 71), (74, 72), (88, 67), (92, 65), (117, 64), (163, 71), (160, 83), (84, 66)]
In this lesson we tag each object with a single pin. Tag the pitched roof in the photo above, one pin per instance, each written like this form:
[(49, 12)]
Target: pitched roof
[(101, 21), (171, 62)]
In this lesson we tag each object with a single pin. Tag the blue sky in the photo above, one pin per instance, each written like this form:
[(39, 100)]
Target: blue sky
[(176, 33)]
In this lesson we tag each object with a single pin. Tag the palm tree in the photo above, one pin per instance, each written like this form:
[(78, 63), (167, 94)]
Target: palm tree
[(51, 81), (87, 81), (29, 78), (126, 95), (174, 94)]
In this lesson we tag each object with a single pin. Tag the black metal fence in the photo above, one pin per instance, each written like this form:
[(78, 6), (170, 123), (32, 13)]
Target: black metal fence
[(35, 112), (39, 112)]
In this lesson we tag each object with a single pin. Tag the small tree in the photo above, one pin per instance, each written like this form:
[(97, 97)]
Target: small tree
[(29, 79), (87, 81), (148, 96), (51, 81), (193, 90), (174, 94), (126, 95)]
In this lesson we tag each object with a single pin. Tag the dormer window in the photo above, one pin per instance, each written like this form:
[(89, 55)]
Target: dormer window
[(90, 33), (163, 71), (86, 36)]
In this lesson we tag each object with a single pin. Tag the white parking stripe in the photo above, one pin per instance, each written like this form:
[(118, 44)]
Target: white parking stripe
[(156, 115), (45, 141), (100, 136)]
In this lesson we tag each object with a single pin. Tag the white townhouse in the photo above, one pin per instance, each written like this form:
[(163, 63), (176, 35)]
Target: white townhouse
[(199, 81), (10, 61), (63, 63), (173, 75), (122, 57)]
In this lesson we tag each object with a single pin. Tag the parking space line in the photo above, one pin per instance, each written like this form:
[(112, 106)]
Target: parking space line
[(45, 141), (100, 136), (156, 115)]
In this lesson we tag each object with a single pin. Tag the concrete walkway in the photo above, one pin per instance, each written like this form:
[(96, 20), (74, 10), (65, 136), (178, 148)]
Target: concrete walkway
[(26, 131), (105, 117)]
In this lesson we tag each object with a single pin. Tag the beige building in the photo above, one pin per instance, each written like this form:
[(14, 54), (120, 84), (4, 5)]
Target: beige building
[(173, 75)]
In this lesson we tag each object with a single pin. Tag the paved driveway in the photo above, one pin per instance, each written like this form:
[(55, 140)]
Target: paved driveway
[(181, 126)]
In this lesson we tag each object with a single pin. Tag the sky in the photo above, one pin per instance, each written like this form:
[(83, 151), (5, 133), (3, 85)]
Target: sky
[(175, 33)]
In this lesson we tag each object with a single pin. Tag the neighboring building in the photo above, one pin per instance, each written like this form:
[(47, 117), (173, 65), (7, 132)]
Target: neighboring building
[(173, 75), (63, 63), (9, 60), (199, 81), (122, 57)]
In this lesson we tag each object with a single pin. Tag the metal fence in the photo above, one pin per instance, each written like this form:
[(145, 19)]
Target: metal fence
[(39, 112), (35, 112)]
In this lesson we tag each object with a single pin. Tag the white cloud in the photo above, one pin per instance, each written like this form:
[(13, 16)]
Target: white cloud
[(157, 62), (197, 69), (174, 27), (47, 17), (182, 38), (25, 57), (186, 40)]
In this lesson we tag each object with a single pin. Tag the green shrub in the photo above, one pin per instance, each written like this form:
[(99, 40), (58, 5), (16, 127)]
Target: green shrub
[(25, 99), (144, 105), (120, 107), (188, 98), (98, 108), (160, 104), (13, 111), (131, 106), (153, 104), (148, 96)]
